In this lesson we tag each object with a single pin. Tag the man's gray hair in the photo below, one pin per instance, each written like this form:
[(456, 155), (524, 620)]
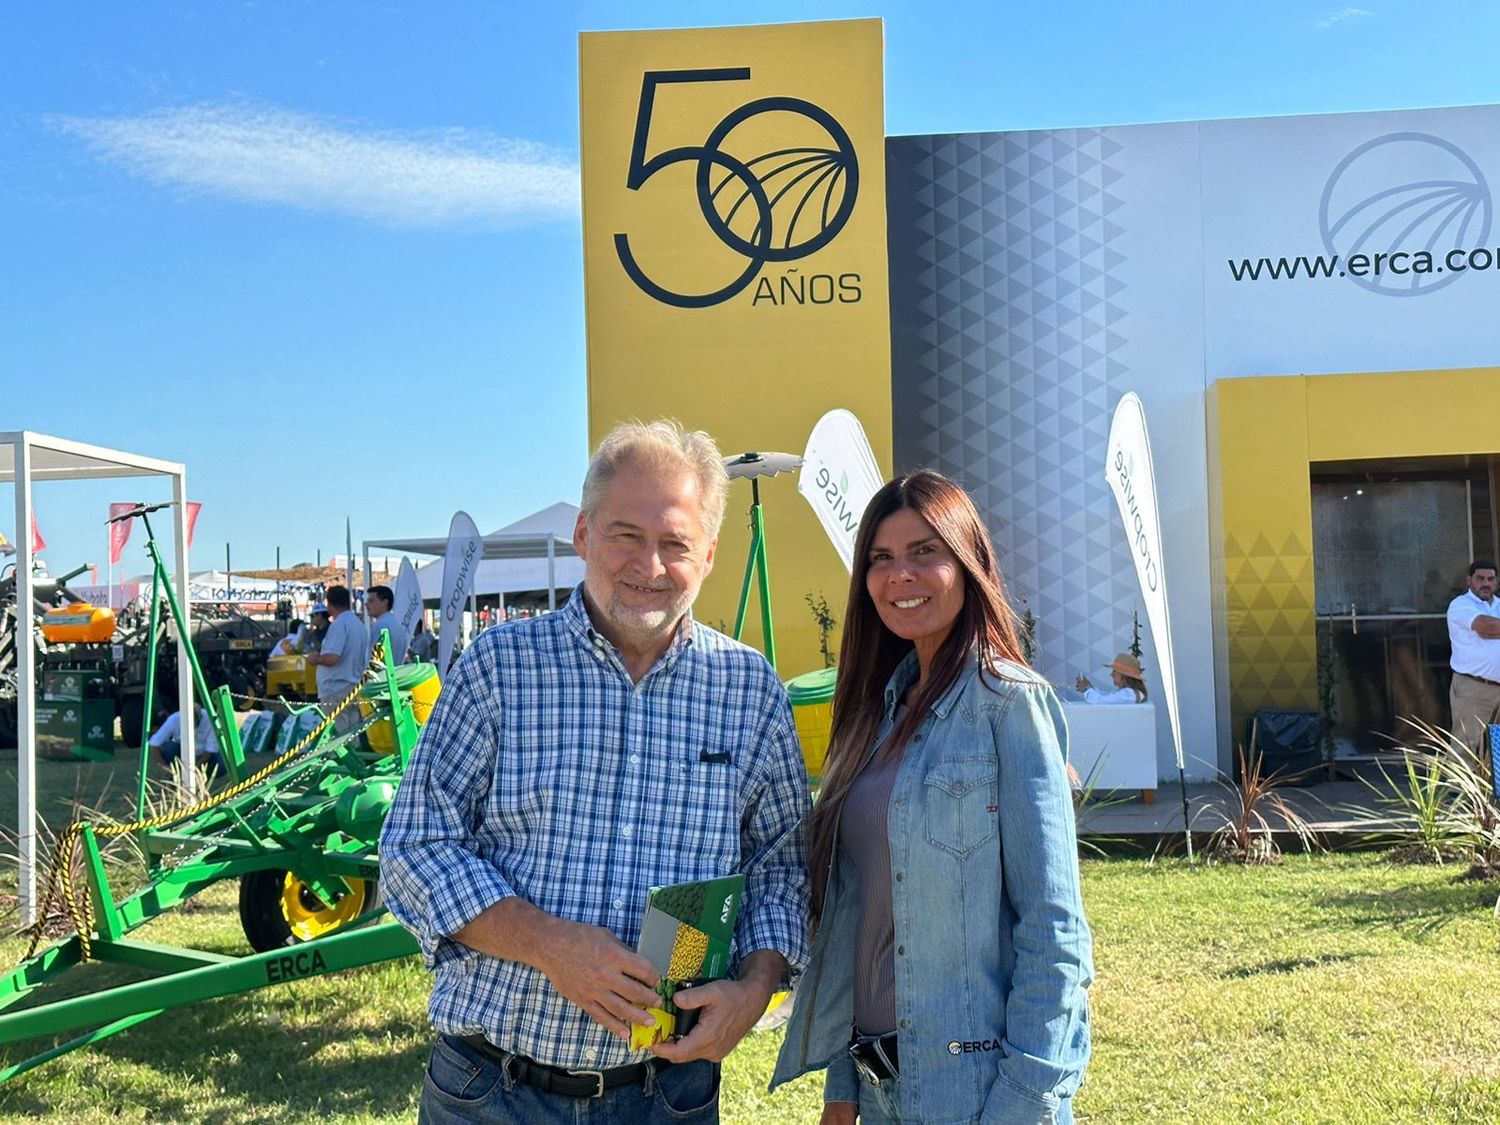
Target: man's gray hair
[(661, 446)]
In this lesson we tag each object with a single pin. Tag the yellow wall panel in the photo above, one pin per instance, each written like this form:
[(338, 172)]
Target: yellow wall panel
[(735, 265), (1402, 414), (1263, 532), (1265, 434)]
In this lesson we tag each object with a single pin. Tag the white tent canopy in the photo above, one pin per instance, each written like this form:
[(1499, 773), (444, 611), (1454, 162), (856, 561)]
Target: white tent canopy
[(533, 553), (26, 458)]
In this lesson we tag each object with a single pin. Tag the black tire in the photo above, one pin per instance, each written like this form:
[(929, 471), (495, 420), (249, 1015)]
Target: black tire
[(132, 709), (263, 912)]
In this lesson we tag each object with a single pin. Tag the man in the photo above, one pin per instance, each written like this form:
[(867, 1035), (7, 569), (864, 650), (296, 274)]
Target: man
[(378, 602), (310, 640), (292, 642), (573, 761), (342, 659), (167, 742), (1474, 633)]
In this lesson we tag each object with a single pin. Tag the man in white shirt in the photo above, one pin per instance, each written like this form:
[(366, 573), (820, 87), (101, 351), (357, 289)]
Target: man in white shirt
[(1474, 632), (167, 741), (378, 603), (289, 644)]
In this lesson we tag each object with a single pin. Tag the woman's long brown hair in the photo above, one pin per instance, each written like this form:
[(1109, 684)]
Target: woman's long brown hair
[(869, 653)]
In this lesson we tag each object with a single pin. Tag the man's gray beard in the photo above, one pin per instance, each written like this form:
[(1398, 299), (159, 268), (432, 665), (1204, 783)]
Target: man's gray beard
[(645, 628)]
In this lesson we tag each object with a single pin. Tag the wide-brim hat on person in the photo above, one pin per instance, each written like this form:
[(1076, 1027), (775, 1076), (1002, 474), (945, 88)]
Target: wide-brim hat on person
[(1126, 665), (319, 608)]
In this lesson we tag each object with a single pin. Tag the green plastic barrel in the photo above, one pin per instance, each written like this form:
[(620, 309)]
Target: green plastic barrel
[(812, 707)]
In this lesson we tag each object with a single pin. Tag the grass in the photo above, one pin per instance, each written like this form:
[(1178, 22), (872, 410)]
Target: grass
[(1335, 988)]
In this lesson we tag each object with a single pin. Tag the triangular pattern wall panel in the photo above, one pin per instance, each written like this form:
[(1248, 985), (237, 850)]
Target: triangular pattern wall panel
[(1004, 314)]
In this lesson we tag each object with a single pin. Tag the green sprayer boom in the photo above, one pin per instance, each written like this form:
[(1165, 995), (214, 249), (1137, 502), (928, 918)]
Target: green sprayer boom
[(300, 835)]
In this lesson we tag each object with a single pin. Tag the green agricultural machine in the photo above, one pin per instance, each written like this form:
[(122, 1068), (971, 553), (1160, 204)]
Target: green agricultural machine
[(299, 835)]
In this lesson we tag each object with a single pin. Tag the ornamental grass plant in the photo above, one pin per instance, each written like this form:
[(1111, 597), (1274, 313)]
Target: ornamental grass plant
[(1255, 811), (1439, 807)]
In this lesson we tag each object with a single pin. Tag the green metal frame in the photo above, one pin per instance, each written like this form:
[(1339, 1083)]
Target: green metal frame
[(757, 569), (297, 819)]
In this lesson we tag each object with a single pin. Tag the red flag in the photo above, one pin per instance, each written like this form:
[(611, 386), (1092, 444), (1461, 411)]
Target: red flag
[(37, 542), (192, 517), (118, 532)]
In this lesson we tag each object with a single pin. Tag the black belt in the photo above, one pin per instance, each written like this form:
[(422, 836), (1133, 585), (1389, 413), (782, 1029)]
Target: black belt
[(875, 1056), (1481, 679), (556, 1079)]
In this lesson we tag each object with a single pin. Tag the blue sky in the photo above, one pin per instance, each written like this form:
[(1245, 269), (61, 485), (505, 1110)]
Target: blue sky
[(285, 242)]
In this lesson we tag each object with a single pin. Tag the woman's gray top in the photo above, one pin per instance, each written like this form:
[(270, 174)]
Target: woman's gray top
[(864, 837)]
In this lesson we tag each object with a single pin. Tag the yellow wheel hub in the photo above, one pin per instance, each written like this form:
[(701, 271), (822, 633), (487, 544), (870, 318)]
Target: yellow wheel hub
[(306, 915)]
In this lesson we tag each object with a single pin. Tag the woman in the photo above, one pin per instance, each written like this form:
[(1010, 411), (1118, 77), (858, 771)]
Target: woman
[(1125, 674), (949, 928)]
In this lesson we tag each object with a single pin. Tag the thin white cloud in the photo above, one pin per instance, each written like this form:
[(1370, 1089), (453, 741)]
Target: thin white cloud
[(1340, 16), (277, 156)]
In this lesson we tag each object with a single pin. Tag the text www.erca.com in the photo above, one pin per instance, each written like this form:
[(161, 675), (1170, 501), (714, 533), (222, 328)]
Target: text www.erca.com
[(1362, 265)]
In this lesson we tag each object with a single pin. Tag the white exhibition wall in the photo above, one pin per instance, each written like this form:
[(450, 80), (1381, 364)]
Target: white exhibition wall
[(1038, 276)]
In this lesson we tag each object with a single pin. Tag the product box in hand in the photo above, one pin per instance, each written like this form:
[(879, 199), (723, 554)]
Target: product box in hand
[(686, 934)]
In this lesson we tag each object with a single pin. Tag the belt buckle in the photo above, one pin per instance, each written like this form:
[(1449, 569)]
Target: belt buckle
[(596, 1075)]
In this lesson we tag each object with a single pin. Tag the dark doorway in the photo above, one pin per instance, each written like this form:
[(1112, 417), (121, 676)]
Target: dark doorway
[(1391, 542)]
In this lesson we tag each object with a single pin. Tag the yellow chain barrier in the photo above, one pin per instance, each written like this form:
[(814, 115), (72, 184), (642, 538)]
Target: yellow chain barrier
[(80, 909)]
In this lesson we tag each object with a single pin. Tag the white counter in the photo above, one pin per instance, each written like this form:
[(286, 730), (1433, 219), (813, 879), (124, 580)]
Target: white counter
[(1118, 741)]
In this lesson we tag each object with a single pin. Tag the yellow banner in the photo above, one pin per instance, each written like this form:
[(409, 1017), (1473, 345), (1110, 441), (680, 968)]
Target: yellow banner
[(735, 266)]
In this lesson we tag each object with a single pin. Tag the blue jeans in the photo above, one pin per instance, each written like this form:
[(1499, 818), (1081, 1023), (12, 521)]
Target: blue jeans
[(462, 1086), (880, 1104), (171, 750)]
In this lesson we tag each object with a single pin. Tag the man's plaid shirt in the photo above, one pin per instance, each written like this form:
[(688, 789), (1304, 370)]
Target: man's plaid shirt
[(545, 772)]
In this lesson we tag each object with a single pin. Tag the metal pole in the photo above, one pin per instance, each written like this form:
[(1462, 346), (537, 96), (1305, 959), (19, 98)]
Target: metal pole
[(763, 565), (551, 571), (148, 695), (185, 660), (25, 687)]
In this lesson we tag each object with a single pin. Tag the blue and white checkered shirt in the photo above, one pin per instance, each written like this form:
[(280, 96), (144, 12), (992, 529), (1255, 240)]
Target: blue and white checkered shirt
[(545, 772)]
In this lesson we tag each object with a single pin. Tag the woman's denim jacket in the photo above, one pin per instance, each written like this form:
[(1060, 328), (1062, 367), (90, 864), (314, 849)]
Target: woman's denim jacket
[(993, 955)]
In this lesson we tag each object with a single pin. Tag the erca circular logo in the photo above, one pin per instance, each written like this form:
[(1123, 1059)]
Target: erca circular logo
[(767, 205), (955, 1048), (1406, 214)]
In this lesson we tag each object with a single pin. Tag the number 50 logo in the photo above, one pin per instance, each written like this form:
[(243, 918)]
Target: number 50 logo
[(799, 197)]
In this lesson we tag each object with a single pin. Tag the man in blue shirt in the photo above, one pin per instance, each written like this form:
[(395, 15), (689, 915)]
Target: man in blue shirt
[(572, 762), (343, 658)]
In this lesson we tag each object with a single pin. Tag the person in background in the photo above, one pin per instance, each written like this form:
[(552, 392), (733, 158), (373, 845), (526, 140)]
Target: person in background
[(316, 630), (342, 659), (1474, 633), (290, 644), (167, 742), (948, 916), (1125, 673), (378, 602), (423, 645)]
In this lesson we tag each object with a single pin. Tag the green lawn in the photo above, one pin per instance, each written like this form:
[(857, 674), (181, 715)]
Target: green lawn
[(1339, 989)]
